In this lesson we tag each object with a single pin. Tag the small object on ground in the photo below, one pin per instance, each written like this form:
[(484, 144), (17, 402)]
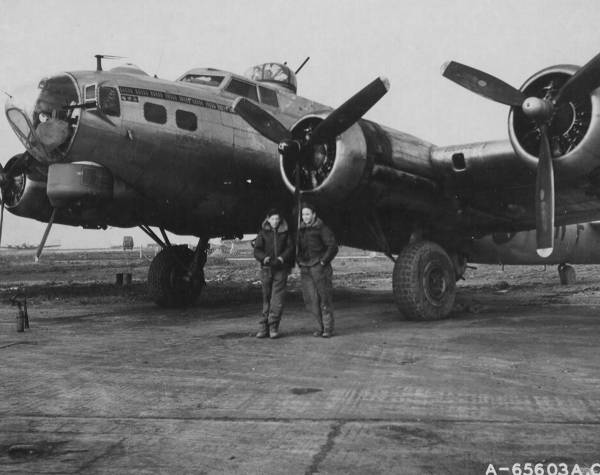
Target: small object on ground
[(20, 300)]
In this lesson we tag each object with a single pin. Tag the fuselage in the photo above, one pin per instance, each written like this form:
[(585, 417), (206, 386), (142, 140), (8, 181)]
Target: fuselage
[(187, 161), (122, 148)]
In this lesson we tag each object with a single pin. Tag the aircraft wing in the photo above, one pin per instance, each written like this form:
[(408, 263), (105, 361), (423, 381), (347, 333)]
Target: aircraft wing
[(493, 190)]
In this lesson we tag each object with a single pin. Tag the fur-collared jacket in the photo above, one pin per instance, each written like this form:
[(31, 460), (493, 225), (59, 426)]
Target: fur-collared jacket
[(317, 244), (274, 243)]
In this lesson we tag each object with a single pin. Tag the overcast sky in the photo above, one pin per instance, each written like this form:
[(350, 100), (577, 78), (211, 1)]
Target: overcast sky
[(350, 43)]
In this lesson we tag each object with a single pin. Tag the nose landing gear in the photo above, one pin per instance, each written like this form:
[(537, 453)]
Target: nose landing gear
[(176, 274)]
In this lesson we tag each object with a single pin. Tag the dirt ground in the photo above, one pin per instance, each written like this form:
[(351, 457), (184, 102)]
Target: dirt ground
[(105, 382)]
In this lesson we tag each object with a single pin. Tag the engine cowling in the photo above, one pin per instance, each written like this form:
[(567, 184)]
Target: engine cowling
[(329, 171), (574, 130), (27, 198)]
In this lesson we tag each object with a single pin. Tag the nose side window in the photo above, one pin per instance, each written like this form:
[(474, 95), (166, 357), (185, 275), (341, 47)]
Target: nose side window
[(90, 96), (109, 101)]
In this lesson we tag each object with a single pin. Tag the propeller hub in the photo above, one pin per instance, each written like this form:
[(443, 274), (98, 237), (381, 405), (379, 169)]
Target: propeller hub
[(289, 146), (539, 110)]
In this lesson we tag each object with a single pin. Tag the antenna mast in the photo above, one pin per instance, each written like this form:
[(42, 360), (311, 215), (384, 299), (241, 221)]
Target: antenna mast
[(302, 65)]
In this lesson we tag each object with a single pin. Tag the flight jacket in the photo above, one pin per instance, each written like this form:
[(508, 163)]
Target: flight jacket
[(317, 244), (274, 243)]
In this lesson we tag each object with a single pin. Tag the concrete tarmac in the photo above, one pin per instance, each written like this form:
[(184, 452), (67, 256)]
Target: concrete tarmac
[(131, 388)]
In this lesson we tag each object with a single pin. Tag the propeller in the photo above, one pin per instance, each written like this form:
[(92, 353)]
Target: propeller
[(16, 166), (350, 111), (337, 122), (334, 124), (264, 123), (483, 84), (541, 111)]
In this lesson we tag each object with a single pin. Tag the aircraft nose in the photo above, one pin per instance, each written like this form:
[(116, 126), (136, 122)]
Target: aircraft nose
[(43, 118), (53, 133)]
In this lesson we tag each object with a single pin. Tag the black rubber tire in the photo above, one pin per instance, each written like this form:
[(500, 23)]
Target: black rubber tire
[(166, 285), (424, 282)]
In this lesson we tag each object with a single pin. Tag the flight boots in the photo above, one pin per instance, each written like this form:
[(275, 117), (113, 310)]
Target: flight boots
[(264, 331), (274, 330)]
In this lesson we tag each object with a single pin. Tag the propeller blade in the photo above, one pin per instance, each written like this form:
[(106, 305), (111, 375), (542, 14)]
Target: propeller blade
[(482, 83), (267, 125), (582, 82), (350, 111), (544, 200)]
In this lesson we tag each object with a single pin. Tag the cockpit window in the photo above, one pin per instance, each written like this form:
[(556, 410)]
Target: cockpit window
[(203, 79), (242, 88), (268, 96)]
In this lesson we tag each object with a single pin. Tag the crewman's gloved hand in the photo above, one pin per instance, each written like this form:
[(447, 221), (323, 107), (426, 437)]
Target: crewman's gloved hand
[(266, 260)]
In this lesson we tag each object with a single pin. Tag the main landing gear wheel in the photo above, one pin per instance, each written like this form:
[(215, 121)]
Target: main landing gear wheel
[(424, 282), (167, 282)]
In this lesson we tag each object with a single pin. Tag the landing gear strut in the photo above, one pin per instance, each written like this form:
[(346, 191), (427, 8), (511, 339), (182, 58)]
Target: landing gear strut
[(176, 274), (424, 281)]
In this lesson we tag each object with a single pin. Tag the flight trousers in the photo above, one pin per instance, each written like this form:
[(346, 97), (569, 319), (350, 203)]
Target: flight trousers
[(273, 293), (317, 289)]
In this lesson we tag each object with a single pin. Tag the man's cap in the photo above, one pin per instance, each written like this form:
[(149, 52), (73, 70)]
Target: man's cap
[(273, 211), (309, 206)]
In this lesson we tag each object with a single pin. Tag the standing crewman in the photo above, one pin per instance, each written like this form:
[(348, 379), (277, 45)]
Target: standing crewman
[(316, 249), (274, 249)]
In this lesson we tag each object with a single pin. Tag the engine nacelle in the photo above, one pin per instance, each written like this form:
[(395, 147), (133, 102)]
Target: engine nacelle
[(27, 198), (395, 166), (574, 130), (328, 171)]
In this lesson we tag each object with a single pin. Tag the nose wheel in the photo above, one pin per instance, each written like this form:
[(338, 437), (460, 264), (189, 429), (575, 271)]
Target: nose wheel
[(176, 274), (169, 282)]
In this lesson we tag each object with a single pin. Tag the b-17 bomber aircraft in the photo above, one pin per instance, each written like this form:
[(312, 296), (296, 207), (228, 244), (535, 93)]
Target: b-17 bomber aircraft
[(207, 154)]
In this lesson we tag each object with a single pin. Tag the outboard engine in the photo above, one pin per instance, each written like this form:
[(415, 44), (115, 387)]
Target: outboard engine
[(574, 130)]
